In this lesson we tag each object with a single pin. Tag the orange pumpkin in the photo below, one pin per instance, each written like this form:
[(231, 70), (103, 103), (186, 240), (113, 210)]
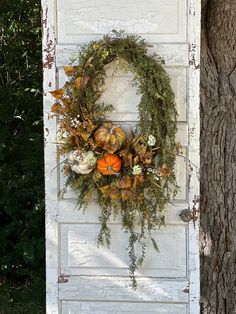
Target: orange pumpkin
[(108, 165), (110, 137)]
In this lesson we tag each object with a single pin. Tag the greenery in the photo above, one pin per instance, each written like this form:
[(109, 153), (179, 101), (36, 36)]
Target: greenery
[(121, 168), (21, 159)]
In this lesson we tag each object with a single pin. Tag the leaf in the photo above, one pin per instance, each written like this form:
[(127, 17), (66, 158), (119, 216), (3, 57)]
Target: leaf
[(96, 176), (147, 159), (138, 180), (179, 148), (69, 70), (81, 81), (86, 130), (56, 107), (114, 193), (164, 171), (67, 102), (125, 182), (84, 134), (78, 82), (127, 158), (104, 189), (126, 195), (136, 160), (110, 191), (89, 195), (141, 150), (58, 93), (89, 126)]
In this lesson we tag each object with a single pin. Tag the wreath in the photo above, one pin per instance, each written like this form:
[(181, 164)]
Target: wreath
[(131, 173)]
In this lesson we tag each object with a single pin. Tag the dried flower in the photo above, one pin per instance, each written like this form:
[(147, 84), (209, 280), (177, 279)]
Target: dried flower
[(137, 170), (96, 46), (91, 159), (164, 171), (75, 122), (154, 173), (151, 140), (62, 136)]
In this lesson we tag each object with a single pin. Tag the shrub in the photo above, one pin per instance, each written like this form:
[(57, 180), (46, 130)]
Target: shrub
[(21, 146)]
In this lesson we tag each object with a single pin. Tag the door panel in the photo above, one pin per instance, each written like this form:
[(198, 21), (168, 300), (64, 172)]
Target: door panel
[(161, 20), (80, 277), (80, 255), (118, 289), (121, 307)]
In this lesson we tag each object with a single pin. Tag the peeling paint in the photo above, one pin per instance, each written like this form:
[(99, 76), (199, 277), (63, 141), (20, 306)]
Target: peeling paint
[(49, 55), (191, 131), (46, 131), (192, 11), (192, 60), (44, 17), (195, 210)]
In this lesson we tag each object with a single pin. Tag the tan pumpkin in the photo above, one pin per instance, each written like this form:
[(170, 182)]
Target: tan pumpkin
[(110, 137), (108, 165)]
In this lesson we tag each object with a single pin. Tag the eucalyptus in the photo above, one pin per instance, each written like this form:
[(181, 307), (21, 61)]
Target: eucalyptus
[(131, 173)]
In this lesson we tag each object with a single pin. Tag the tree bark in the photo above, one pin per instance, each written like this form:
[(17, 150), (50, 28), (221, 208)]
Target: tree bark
[(218, 157)]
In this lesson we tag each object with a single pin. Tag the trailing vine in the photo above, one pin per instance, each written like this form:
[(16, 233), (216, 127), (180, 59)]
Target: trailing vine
[(130, 172)]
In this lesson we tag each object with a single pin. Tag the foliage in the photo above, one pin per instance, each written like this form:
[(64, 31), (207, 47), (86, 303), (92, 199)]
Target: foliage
[(23, 298), (140, 190), (21, 155)]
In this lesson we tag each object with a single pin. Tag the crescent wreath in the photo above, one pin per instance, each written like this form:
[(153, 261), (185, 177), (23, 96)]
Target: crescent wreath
[(130, 173)]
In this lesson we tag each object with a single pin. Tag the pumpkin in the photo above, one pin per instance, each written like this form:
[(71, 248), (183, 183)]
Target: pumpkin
[(108, 165), (110, 137), (82, 163)]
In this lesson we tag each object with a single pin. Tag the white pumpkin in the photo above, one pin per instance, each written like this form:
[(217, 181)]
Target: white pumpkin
[(82, 163), (72, 156)]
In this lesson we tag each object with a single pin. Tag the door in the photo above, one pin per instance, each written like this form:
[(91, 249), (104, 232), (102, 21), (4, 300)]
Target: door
[(82, 279)]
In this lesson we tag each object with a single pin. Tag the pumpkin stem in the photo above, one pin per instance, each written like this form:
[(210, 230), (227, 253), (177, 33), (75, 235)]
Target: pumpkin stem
[(112, 129), (110, 169)]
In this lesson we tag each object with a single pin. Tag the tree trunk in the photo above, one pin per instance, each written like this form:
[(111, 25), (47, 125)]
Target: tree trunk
[(218, 157)]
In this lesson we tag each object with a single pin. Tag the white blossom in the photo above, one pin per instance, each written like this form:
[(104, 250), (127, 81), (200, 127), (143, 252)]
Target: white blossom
[(151, 140), (154, 173), (137, 170), (75, 122)]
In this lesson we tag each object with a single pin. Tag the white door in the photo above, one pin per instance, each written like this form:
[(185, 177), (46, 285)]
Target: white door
[(82, 279)]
